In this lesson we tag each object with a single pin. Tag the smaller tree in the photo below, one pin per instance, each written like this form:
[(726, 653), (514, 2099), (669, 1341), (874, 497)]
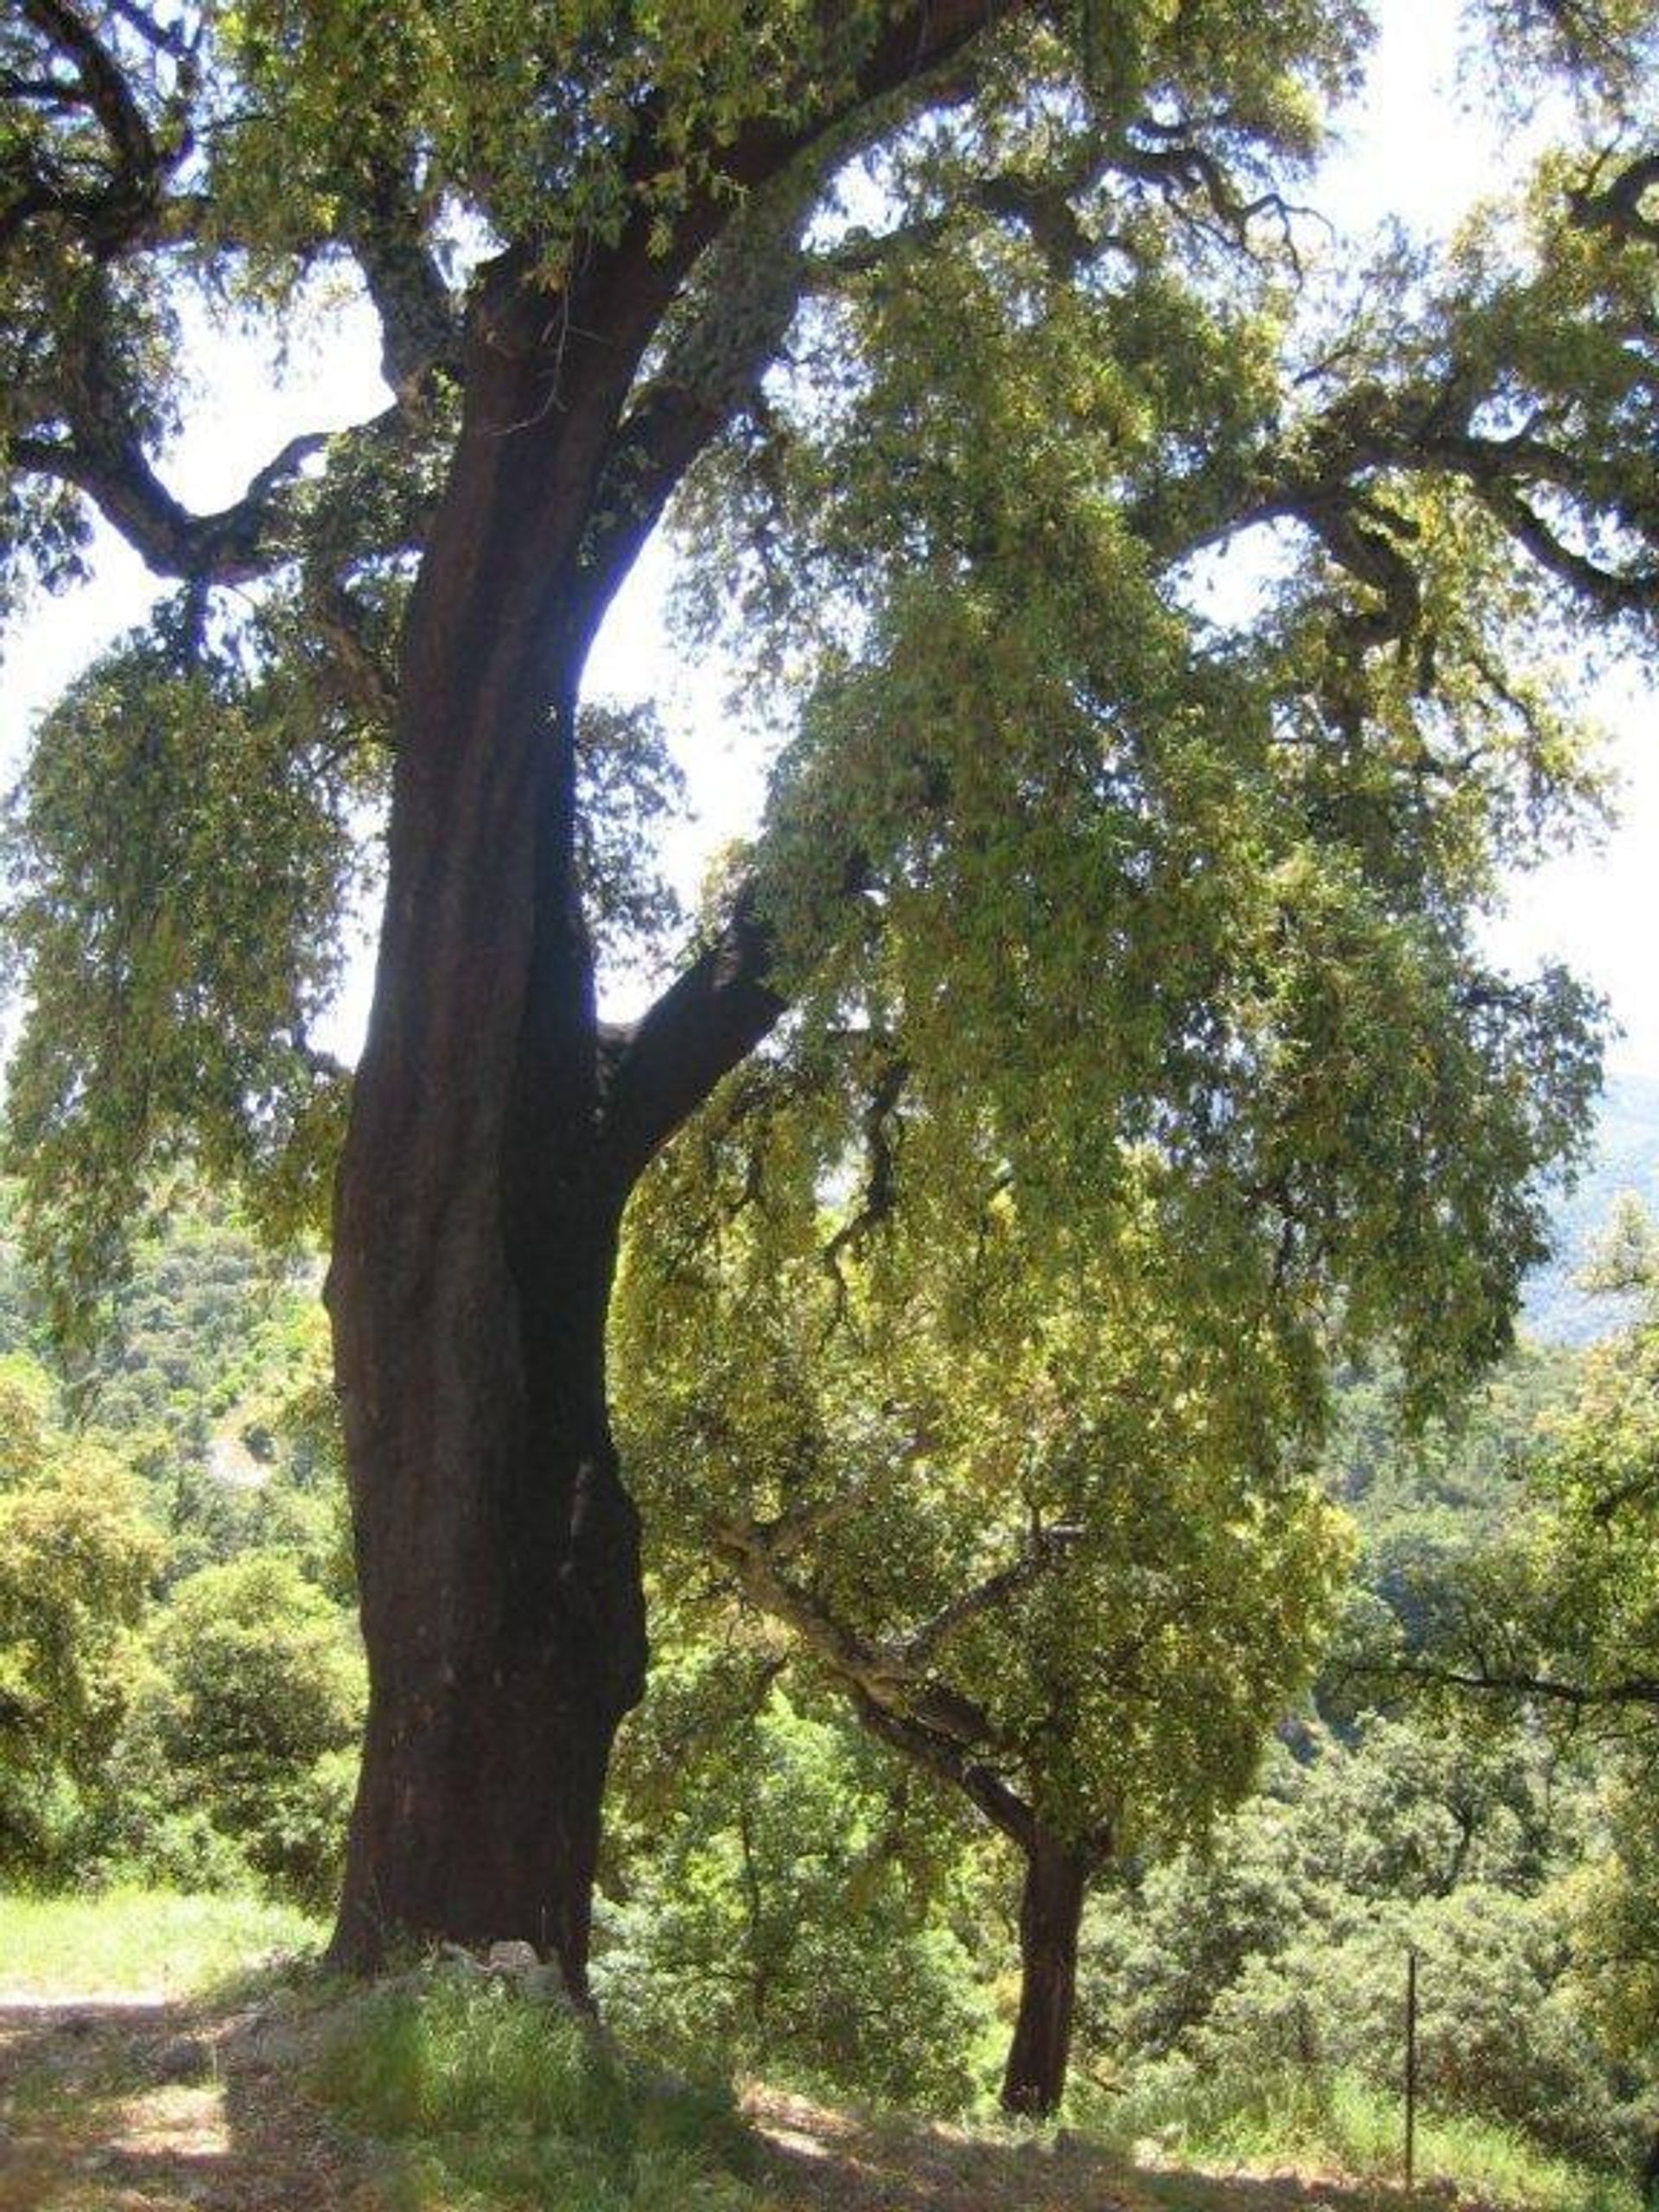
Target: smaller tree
[(1039, 1516)]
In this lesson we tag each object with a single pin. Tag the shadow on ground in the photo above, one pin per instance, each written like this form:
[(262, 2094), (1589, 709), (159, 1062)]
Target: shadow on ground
[(136, 2106), (198, 2107), (836, 2161)]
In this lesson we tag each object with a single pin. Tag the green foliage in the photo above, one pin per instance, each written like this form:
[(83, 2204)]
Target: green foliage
[(1562, 1626), (182, 983), (775, 1893), (77, 1557), (488, 2092), (917, 1409), (26, 1408), (1428, 1498), (240, 1747), (1282, 1947)]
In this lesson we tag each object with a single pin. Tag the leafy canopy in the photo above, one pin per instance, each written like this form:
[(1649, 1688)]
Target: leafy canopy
[(966, 410)]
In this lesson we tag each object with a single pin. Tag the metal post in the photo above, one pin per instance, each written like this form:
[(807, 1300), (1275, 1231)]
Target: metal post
[(1411, 2070)]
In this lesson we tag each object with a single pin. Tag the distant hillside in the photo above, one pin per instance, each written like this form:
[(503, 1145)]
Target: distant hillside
[(1627, 1158)]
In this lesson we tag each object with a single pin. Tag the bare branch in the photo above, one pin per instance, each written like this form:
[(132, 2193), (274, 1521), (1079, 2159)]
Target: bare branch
[(707, 1021)]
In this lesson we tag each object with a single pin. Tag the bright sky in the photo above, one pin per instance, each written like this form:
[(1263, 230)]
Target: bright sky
[(1409, 153)]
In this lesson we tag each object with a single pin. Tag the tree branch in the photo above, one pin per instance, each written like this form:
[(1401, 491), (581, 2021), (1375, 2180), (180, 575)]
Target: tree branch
[(1617, 207), (1048, 1547), (419, 325), (707, 1021), (1633, 1690), (984, 1788), (108, 92), (878, 1671)]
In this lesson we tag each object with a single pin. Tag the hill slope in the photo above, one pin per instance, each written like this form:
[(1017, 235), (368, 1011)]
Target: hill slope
[(1626, 1159)]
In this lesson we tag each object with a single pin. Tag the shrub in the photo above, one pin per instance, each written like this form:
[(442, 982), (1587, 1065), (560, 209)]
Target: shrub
[(249, 1718)]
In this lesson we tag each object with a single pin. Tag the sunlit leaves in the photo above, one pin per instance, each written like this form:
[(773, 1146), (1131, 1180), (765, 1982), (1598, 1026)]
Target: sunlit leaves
[(1079, 1508), (77, 1554)]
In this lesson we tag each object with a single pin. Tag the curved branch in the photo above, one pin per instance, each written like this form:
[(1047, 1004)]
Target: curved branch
[(108, 93)]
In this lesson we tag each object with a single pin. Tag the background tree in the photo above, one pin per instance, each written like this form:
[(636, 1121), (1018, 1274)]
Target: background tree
[(241, 1740), (970, 448), (1044, 1520)]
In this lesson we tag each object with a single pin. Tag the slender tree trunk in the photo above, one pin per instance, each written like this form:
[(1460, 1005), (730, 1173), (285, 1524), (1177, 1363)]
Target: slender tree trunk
[(1051, 1915)]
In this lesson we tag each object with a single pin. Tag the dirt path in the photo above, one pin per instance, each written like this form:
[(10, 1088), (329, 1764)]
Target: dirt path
[(132, 2106)]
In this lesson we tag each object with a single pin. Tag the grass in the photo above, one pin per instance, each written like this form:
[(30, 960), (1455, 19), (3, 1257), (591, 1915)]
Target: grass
[(133, 1943), (1338, 2123), (494, 2099)]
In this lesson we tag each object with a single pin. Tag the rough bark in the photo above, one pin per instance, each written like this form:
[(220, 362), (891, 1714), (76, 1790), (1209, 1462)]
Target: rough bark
[(1051, 1915), (478, 1213)]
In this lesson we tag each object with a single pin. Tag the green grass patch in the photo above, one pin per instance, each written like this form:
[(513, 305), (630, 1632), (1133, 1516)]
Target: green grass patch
[(498, 2100), (133, 1943), (1337, 2122)]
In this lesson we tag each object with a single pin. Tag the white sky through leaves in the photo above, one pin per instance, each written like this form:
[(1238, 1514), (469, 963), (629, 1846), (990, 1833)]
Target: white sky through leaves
[(1413, 151)]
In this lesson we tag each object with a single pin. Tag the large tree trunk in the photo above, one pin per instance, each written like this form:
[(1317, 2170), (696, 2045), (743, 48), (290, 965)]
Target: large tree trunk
[(1051, 1915), (497, 1551), (496, 1133), (476, 1227)]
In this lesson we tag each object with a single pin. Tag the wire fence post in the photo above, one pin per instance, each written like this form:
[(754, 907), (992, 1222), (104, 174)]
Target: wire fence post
[(1411, 2069)]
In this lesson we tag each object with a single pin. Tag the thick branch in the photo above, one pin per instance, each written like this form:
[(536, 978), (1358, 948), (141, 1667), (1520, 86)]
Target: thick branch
[(1632, 1690), (983, 1786), (707, 1021), (1326, 483), (878, 1672), (1618, 207), (106, 460), (748, 289), (419, 325), (227, 547)]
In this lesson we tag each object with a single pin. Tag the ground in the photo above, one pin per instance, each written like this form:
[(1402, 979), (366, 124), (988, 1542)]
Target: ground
[(128, 2106), (145, 2104)]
